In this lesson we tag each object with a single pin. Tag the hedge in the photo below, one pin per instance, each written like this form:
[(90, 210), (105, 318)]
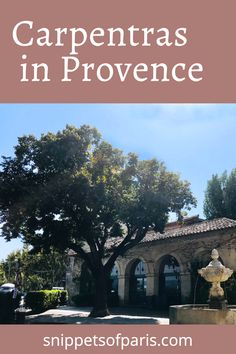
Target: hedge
[(43, 300)]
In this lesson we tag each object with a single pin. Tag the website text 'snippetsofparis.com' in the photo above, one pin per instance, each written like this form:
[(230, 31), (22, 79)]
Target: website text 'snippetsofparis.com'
[(119, 341)]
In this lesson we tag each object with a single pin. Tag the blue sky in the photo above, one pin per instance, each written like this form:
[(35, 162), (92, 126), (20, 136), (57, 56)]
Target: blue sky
[(194, 140)]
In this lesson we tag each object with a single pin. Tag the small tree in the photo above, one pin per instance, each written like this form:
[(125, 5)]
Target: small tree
[(72, 190), (2, 274), (10, 266), (220, 196)]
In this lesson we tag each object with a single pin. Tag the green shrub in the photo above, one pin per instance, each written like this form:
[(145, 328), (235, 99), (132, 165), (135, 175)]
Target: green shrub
[(63, 297), (35, 300), (44, 300)]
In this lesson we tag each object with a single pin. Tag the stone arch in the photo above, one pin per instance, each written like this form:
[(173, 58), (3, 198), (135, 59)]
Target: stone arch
[(118, 266), (168, 276), (173, 254), (131, 262), (86, 285), (113, 286), (114, 276), (86, 282), (136, 285)]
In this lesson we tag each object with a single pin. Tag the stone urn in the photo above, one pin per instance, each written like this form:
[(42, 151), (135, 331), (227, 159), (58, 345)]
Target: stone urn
[(216, 273)]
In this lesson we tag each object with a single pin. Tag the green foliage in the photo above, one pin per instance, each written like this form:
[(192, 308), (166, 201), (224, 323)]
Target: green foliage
[(43, 300), (9, 266), (33, 282), (38, 271), (63, 297), (2, 274), (220, 196)]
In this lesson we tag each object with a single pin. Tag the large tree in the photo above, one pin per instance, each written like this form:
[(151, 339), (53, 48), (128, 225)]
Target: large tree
[(73, 190), (220, 196)]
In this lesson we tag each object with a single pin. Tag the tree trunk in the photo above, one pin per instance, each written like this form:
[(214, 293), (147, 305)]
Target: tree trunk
[(100, 308)]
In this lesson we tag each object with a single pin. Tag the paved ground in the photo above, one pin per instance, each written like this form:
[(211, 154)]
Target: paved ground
[(75, 315)]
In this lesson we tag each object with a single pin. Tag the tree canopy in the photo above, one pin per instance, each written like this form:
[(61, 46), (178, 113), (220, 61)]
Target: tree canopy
[(220, 196), (73, 190)]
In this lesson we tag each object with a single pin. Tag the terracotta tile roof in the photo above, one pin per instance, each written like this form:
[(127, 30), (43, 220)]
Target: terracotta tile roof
[(179, 230), (193, 229)]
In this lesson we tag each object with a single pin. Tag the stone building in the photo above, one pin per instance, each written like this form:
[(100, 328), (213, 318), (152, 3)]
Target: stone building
[(162, 269)]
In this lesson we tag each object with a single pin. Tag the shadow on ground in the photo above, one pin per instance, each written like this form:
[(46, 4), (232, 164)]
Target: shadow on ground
[(69, 315)]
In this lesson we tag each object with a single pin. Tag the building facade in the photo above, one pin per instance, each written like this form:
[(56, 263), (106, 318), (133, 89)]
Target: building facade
[(162, 269)]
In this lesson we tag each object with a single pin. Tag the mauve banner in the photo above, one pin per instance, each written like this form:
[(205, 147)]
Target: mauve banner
[(42, 339), (113, 51)]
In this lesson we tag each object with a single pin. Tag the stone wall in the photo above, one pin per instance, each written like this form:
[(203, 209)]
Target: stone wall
[(185, 252)]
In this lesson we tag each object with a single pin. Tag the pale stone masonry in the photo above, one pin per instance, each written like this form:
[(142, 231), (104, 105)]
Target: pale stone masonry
[(160, 270)]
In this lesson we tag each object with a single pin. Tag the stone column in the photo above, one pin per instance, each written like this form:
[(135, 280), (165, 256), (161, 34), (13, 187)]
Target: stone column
[(151, 284), (185, 286), (69, 277), (123, 289)]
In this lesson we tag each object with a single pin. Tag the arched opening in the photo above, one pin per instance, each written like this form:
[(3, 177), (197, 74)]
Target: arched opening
[(86, 281), (113, 298), (87, 288), (114, 279), (169, 282), (84, 284), (138, 283)]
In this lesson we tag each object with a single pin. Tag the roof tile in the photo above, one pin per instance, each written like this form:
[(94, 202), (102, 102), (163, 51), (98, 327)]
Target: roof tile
[(194, 229)]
